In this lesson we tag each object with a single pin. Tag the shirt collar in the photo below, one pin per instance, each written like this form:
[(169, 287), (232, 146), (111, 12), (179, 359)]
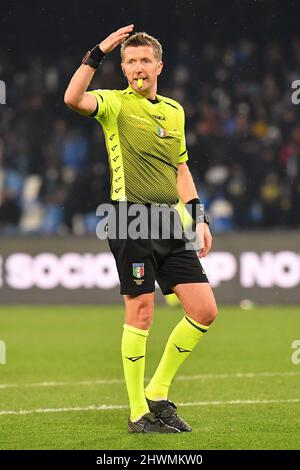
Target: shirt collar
[(138, 95)]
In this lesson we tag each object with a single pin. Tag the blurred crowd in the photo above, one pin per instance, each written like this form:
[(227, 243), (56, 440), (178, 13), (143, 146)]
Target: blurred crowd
[(242, 132)]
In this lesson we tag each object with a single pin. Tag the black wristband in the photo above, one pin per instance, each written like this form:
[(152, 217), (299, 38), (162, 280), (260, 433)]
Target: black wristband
[(196, 212), (94, 57)]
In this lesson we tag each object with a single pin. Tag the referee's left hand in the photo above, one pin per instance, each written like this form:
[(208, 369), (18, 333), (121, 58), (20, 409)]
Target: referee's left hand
[(204, 239)]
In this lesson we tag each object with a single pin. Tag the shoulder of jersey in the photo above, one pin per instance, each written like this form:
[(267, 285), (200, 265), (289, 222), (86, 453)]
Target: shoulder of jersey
[(170, 102), (105, 91), (109, 90)]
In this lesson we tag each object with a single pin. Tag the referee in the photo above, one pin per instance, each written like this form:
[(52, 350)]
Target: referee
[(145, 142)]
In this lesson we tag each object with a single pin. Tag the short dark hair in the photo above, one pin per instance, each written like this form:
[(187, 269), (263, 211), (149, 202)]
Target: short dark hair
[(143, 39)]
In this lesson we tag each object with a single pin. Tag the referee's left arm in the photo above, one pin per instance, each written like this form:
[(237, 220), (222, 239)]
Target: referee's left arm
[(186, 190), (185, 184)]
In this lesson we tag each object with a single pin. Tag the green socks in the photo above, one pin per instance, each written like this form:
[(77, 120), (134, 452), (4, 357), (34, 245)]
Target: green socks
[(183, 339), (133, 350)]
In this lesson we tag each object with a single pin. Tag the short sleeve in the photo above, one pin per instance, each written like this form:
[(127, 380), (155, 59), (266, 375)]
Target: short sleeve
[(183, 155), (108, 104)]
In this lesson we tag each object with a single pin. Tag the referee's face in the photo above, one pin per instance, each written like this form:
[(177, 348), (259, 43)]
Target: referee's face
[(140, 62)]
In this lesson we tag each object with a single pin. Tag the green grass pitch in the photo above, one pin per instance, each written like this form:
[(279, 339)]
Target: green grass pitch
[(62, 385)]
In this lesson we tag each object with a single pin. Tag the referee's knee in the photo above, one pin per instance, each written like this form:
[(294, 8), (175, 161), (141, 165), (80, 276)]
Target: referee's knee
[(212, 314), (144, 318), (140, 315), (205, 315)]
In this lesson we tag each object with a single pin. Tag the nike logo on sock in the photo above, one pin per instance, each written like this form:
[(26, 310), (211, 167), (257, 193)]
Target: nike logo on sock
[(134, 358), (181, 349)]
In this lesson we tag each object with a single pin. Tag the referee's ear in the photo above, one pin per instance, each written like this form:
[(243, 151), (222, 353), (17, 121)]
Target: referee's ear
[(160, 66)]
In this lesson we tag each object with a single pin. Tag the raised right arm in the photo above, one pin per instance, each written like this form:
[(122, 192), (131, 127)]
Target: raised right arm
[(76, 96)]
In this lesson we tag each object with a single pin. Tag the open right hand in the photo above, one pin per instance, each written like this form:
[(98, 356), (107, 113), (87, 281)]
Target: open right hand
[(115, 39)]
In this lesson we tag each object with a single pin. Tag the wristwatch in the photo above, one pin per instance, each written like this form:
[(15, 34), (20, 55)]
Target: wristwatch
[(202, 218), (94, 57)]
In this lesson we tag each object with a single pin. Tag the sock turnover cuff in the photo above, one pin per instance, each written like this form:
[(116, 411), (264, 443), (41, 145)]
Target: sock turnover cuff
[(135, 330), (197, 325)]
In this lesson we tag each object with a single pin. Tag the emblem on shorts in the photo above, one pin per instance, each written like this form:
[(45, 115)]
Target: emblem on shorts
[(138, 272)]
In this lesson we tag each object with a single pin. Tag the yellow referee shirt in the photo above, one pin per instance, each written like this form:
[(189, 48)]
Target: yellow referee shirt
[(145, 142)]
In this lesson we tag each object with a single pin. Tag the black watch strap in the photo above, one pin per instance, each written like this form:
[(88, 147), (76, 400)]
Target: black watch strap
[(206, 219), (203, 218), (94, 57), (87, 60)]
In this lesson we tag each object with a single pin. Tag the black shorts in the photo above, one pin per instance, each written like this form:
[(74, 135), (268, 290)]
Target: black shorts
[(141, 261)]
